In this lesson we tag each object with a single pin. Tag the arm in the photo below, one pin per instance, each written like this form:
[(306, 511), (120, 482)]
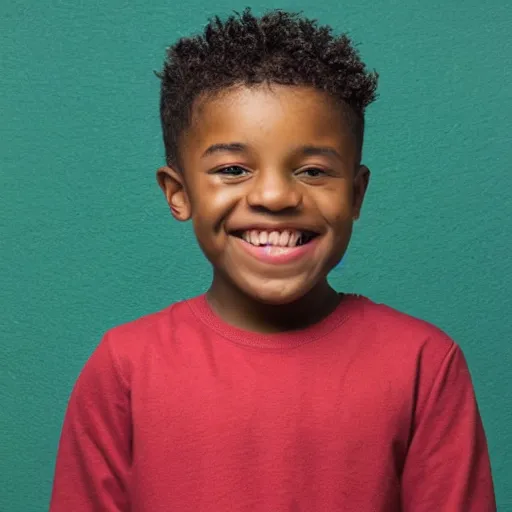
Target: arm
[(447, 467), (93, 460)]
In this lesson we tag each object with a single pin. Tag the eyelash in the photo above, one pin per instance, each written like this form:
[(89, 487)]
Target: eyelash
[(225, 171), (316, 169)]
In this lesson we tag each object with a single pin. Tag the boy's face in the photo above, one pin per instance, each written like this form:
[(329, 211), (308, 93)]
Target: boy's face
[(271, 180)]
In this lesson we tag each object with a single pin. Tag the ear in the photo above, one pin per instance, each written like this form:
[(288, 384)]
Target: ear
[(361, 181), (173, 186)]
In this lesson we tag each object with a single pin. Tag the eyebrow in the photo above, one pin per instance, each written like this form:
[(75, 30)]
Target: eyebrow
[(239, 147), (232, 147), (320, 150)]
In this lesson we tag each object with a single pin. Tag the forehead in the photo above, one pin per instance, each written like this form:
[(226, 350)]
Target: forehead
[(269, 118)]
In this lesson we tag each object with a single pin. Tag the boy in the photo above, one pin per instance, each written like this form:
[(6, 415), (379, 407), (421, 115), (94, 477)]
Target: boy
[(272, 392)]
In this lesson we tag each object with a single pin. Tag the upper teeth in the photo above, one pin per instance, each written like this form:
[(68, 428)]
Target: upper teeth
[(286, 238)]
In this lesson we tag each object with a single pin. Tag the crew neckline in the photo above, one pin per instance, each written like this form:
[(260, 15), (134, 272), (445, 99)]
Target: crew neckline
[(288, 339)]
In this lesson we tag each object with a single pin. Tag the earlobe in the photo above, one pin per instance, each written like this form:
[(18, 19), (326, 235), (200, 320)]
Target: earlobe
[(361, 181), (171, 182)]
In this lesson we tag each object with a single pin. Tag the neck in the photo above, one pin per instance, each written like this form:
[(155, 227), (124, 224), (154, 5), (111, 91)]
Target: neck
[(244, 312)]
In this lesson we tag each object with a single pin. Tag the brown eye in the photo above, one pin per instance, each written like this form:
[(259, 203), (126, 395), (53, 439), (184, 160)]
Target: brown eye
[(313, 172), (233, 171)]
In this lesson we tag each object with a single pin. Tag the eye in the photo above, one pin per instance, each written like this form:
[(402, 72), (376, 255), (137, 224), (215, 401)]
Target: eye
[(232, 171), (312, 172)]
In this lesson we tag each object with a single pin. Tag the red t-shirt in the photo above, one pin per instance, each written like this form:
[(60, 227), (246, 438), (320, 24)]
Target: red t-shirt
[(369, 410)]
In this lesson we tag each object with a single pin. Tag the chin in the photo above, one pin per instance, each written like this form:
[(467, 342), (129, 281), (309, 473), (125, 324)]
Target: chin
[(276, 294)]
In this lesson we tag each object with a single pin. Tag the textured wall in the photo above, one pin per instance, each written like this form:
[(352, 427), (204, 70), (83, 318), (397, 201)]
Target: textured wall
[(86, 238)]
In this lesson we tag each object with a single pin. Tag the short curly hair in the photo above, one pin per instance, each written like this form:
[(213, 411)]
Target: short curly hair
[(279, 47)]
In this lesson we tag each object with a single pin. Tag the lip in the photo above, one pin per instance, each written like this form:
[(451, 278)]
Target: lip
[(276, 255), (274, 227)]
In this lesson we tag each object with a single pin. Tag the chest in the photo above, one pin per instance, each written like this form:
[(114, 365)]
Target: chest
[(329, 401), (250, 430)]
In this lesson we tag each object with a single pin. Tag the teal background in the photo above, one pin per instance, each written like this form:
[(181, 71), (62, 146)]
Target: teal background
[(87, 241)]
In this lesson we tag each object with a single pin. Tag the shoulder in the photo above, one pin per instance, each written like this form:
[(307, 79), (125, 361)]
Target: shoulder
[(134, 343), (410, 358), (401, 330), (150, 326), (400, 344)]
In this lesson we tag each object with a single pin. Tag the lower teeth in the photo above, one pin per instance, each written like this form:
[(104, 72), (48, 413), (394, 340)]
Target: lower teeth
[(303, 239), (299, 243)]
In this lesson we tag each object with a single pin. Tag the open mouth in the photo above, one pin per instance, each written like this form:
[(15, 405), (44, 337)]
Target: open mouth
[(284, 238)]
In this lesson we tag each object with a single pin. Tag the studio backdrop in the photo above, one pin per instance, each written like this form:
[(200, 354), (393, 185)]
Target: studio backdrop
[(87, 241)]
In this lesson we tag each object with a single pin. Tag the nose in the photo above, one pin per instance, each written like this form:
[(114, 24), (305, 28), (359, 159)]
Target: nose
[(274, 191)]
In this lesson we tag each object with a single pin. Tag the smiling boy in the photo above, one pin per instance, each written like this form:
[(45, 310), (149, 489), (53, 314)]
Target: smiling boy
[(271, 392)]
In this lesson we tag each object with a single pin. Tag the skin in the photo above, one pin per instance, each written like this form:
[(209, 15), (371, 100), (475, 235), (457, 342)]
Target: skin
[(267, 178)]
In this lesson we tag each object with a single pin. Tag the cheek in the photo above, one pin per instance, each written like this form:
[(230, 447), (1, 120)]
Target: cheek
[(220, 199), (200, 195), (342, 216), (335, 205), (211, 203)]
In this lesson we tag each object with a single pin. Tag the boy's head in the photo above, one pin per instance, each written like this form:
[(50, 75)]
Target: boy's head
[(263, 122), (280, 48)]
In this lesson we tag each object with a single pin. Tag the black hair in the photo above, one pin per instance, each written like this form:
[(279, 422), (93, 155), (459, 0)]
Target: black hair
[(279, 47)]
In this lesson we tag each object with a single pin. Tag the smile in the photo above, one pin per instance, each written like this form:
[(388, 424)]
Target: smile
[(277, 247), (284, 238)]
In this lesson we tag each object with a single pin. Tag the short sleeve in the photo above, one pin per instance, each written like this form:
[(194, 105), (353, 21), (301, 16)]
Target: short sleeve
[(447, 467)]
